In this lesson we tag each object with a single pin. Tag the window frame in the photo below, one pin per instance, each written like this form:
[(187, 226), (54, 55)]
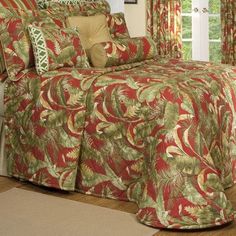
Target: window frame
[(200, 40)]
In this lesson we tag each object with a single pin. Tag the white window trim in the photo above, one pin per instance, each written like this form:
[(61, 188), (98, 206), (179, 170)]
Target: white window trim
[(200, 30)]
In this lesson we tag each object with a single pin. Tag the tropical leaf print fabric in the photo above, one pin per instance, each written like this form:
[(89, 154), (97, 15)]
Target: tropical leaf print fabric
[(48, 127), (165, 27), (46, 3), (15, 39), (85, 8), (15, 44), (117, 25), (55, 48), (228, 22), (160, 133), (17, 4), (122, 51)]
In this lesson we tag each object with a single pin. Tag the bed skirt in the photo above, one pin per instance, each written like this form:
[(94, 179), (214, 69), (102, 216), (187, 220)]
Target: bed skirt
[(3, 166)]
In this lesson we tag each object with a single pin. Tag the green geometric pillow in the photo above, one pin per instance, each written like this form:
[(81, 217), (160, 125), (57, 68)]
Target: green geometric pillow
[(56, 47)]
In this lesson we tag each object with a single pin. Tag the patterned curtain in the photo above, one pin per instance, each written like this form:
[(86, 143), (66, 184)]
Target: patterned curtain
[(164, 26), (228, 20)]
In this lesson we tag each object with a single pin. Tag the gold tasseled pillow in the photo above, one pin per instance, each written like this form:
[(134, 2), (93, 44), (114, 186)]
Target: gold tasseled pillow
[(92, 29)]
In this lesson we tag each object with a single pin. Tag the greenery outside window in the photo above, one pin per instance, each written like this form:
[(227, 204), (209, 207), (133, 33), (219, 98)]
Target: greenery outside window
[(201, 30)]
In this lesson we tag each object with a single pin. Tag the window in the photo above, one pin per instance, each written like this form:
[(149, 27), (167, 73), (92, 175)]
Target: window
[(201, 30)]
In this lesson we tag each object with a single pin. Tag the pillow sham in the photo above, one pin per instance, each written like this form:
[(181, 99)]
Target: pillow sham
[(55, 48), (46, 3), (16, 45), (92, 29), (78, 7), (23, 4), (19, 4), (117, 25), (123, 51)]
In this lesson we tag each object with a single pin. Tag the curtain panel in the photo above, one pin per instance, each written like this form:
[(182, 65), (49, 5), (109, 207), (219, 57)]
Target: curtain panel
[(164, 25), (228, 21)]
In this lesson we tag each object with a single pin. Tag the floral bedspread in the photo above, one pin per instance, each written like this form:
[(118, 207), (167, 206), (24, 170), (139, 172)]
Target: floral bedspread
[(161, 133)]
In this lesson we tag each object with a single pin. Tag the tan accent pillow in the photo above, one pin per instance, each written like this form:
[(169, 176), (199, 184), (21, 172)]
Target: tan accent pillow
[(92, 29)]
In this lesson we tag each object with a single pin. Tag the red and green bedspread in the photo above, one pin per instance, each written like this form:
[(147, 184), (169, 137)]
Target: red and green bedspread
[(160, 133)]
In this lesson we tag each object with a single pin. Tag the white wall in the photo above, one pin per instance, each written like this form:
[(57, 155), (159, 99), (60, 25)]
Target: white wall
[(117, 5), (135, 15)]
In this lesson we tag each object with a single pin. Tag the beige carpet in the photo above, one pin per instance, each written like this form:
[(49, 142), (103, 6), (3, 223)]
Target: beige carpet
[(28, 213)]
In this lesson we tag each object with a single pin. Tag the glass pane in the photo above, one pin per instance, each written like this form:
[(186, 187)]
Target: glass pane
[(187, 27), (215, 51), (187, 50), (214, 27), (214, 6), (187, 6)]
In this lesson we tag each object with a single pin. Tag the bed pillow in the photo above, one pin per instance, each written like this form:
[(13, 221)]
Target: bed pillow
[(16, 45), (92, 29), (20, 4), (55, 48), (43, 4), (78, 7), (117, 25), (123, 51)]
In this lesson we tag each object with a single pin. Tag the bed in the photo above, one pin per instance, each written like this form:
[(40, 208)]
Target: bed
[(159, 132)]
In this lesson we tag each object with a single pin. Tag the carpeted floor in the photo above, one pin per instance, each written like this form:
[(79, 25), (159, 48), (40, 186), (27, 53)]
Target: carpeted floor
[(29, 213), (128, 207)]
